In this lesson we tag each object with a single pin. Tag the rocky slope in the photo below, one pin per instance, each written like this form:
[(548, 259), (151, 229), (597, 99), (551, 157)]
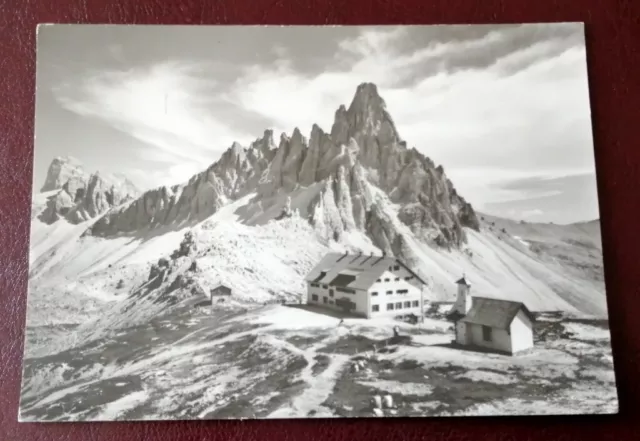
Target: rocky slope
[(78, 196), (340, 181)]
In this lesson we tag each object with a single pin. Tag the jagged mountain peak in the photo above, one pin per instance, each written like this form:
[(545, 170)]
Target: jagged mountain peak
[(315, 128), (367, 117), (80, 195), (61, 169), (339, 173), (264, 145), (366, 95), (267, 138), (298, 137)]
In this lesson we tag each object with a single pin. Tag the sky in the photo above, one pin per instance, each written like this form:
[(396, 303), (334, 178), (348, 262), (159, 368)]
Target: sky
[(504, 109)]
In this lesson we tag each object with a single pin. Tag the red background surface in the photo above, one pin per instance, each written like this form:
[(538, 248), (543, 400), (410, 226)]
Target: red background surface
[(613, 52)]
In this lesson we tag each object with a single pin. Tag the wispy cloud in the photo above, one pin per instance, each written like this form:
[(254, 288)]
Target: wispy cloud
[(559, 198), (524, 101), (530, 215), (165, 105)]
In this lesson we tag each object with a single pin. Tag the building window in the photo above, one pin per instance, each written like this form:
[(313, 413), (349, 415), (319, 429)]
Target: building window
[(330, 293), (315, 285), (407, 304), (398, 305), (486, 333), (408, 278), (325, 300), (374, 293), (375, 308), (386, 280), (397, 279), (378, 280), (396, 268), (389, 306), (402, 291), (416, 303), (389, 293), (325, 286), (314, 297)]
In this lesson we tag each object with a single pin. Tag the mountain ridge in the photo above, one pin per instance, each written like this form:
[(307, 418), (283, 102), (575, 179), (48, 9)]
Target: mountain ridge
[(77, 195), (362, 154)]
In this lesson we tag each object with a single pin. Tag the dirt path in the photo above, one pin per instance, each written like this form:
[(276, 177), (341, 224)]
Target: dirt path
[(318, 386)]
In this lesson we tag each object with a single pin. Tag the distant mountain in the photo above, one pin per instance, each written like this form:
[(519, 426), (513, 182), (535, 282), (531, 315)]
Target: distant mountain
[(77, 196), (586, 232), (61, 170)]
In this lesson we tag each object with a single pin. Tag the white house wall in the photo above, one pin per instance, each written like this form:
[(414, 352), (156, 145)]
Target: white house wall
[(388, 283), (364, 300), (461, 333), (359, 297), (521, 332), (501, 340)]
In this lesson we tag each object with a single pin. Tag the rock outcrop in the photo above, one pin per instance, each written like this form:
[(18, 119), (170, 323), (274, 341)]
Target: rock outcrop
[(81, 196), (361, 176)]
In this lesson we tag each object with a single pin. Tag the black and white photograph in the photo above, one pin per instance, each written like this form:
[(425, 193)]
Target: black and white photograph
[(253, 222)]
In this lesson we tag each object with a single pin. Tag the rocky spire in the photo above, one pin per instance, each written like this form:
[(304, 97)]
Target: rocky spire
[(319, 144), (84, 197), (367, 116), (340, 131), (61, 170)]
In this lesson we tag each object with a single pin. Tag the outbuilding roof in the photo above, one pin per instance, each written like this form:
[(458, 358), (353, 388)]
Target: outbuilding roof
[(496, 313), (355, 271)]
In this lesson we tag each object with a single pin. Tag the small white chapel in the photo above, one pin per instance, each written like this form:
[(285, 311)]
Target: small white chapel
[(499, 325)]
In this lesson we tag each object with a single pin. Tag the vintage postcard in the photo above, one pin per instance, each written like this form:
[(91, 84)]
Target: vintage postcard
[(312, 222)]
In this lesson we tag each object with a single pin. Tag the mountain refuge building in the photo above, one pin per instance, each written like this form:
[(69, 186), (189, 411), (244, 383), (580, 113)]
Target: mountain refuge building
[(365, 285), (220, 290), (499, 325)]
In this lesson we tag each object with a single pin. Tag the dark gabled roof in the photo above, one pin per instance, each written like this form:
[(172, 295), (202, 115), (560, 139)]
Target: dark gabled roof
[(343, 280), (463, 281), (362, 269), (496, 313), (320, 276)]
